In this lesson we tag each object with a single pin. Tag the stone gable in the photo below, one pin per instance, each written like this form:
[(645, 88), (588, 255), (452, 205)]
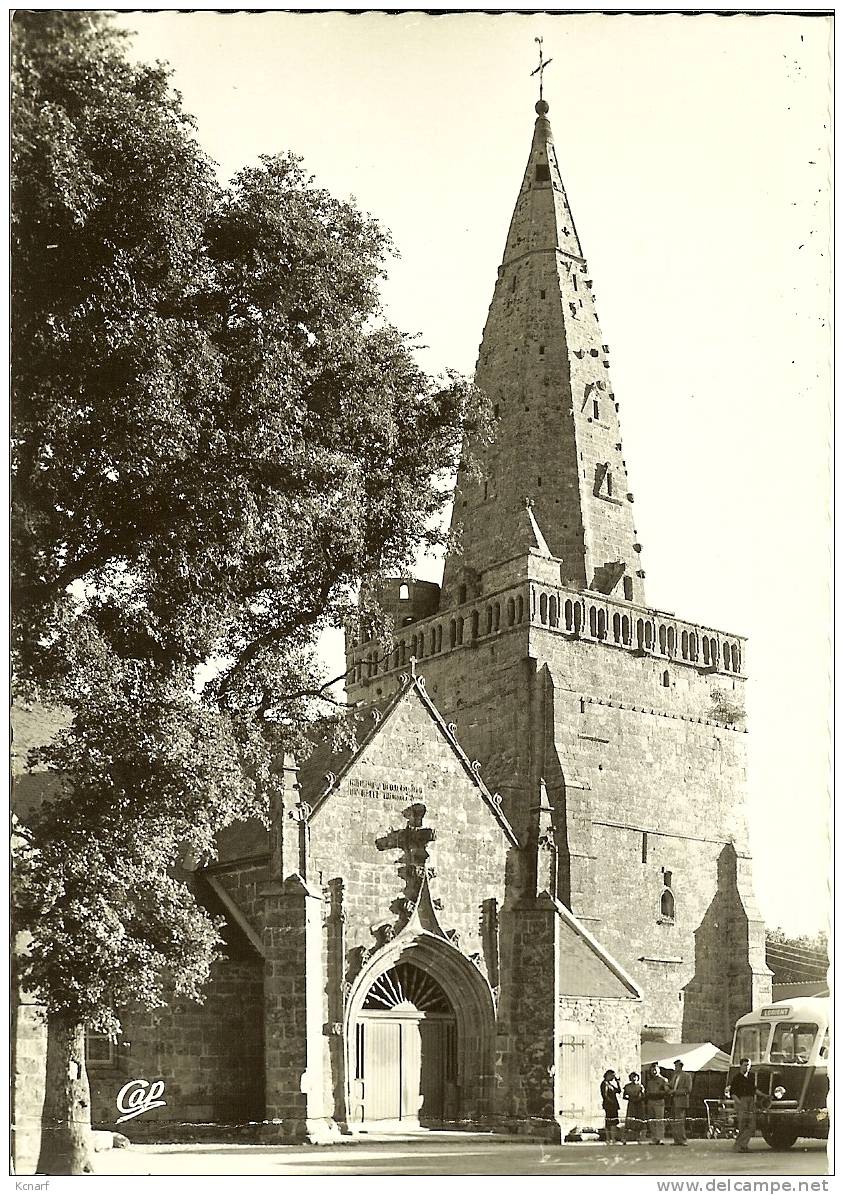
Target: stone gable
[(410, 773)]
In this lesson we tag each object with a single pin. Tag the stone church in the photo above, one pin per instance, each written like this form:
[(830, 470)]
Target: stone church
[(537, 856)]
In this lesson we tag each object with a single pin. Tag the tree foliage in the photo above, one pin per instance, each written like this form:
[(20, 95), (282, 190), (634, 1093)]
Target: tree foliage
[(217, 437), (799, 958)]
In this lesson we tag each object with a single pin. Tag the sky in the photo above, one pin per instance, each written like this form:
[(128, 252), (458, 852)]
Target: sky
[(695, 151)]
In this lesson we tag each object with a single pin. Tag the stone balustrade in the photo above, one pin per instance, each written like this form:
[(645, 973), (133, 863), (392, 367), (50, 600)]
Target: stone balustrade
[(575, 614)]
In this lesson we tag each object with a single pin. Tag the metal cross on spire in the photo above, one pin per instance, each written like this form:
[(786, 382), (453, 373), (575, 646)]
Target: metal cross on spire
[(543, 62)]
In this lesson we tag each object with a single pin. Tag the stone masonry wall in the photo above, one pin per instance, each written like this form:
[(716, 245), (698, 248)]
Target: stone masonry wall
[(650, 785), (210, 1056), (611, 1030), (526, 1018), (623, 755), (29, 1056), (351, 832), (244, 881)]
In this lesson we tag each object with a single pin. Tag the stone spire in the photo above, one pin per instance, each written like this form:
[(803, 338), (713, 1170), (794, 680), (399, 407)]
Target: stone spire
[(557, 443)]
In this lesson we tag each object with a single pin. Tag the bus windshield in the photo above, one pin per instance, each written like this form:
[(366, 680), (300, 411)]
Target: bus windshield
[(751, 1042), (793, 1042)]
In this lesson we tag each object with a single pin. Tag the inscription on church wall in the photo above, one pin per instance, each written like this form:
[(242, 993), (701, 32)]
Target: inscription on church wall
[(386, 790)]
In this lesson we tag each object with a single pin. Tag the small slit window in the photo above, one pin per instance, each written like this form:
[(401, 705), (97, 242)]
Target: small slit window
[(404, 593), (543, 174), (628, 589), (667, 907)]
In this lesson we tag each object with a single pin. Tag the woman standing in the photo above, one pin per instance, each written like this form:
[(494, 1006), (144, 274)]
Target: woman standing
[(634, 1121), (610, 1095)]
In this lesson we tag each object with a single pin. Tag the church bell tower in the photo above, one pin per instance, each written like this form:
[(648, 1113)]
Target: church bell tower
[(560, 679)]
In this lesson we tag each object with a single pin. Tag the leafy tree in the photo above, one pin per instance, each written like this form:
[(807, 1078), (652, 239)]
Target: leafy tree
[(797, 959), (217, 437)]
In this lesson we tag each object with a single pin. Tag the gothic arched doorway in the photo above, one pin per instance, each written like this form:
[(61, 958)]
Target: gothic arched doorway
[(405, 1053), (420, 1036)]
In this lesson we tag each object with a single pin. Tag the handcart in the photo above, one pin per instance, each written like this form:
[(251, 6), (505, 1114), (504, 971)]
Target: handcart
[(721, 1118)]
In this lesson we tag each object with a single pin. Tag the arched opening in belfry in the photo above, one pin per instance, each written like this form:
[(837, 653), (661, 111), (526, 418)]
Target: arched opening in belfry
[(553, 617)]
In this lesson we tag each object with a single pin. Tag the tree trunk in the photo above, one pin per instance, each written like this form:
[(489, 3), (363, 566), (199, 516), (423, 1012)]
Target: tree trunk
[(66, 1144)]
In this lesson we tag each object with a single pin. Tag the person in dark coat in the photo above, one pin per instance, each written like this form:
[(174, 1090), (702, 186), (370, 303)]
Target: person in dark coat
[(742, 1091), (656, 1089), (610, 1096), (634, 1121)]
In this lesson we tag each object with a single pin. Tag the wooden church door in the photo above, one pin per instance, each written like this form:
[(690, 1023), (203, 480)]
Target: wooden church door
[(405, 1049), (576, 1097), (380, 1044)]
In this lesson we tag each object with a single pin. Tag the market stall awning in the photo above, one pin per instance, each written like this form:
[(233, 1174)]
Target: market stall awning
[(695, 1056)]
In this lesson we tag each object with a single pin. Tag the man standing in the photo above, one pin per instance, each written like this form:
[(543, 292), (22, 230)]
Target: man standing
[(742, 1089), (680, 1090), (656, 1089)]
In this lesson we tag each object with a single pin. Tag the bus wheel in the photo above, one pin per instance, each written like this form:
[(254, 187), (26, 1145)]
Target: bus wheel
[(779, 1138)]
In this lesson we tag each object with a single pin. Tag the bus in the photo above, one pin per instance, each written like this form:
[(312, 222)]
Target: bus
[(788, 1045)]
